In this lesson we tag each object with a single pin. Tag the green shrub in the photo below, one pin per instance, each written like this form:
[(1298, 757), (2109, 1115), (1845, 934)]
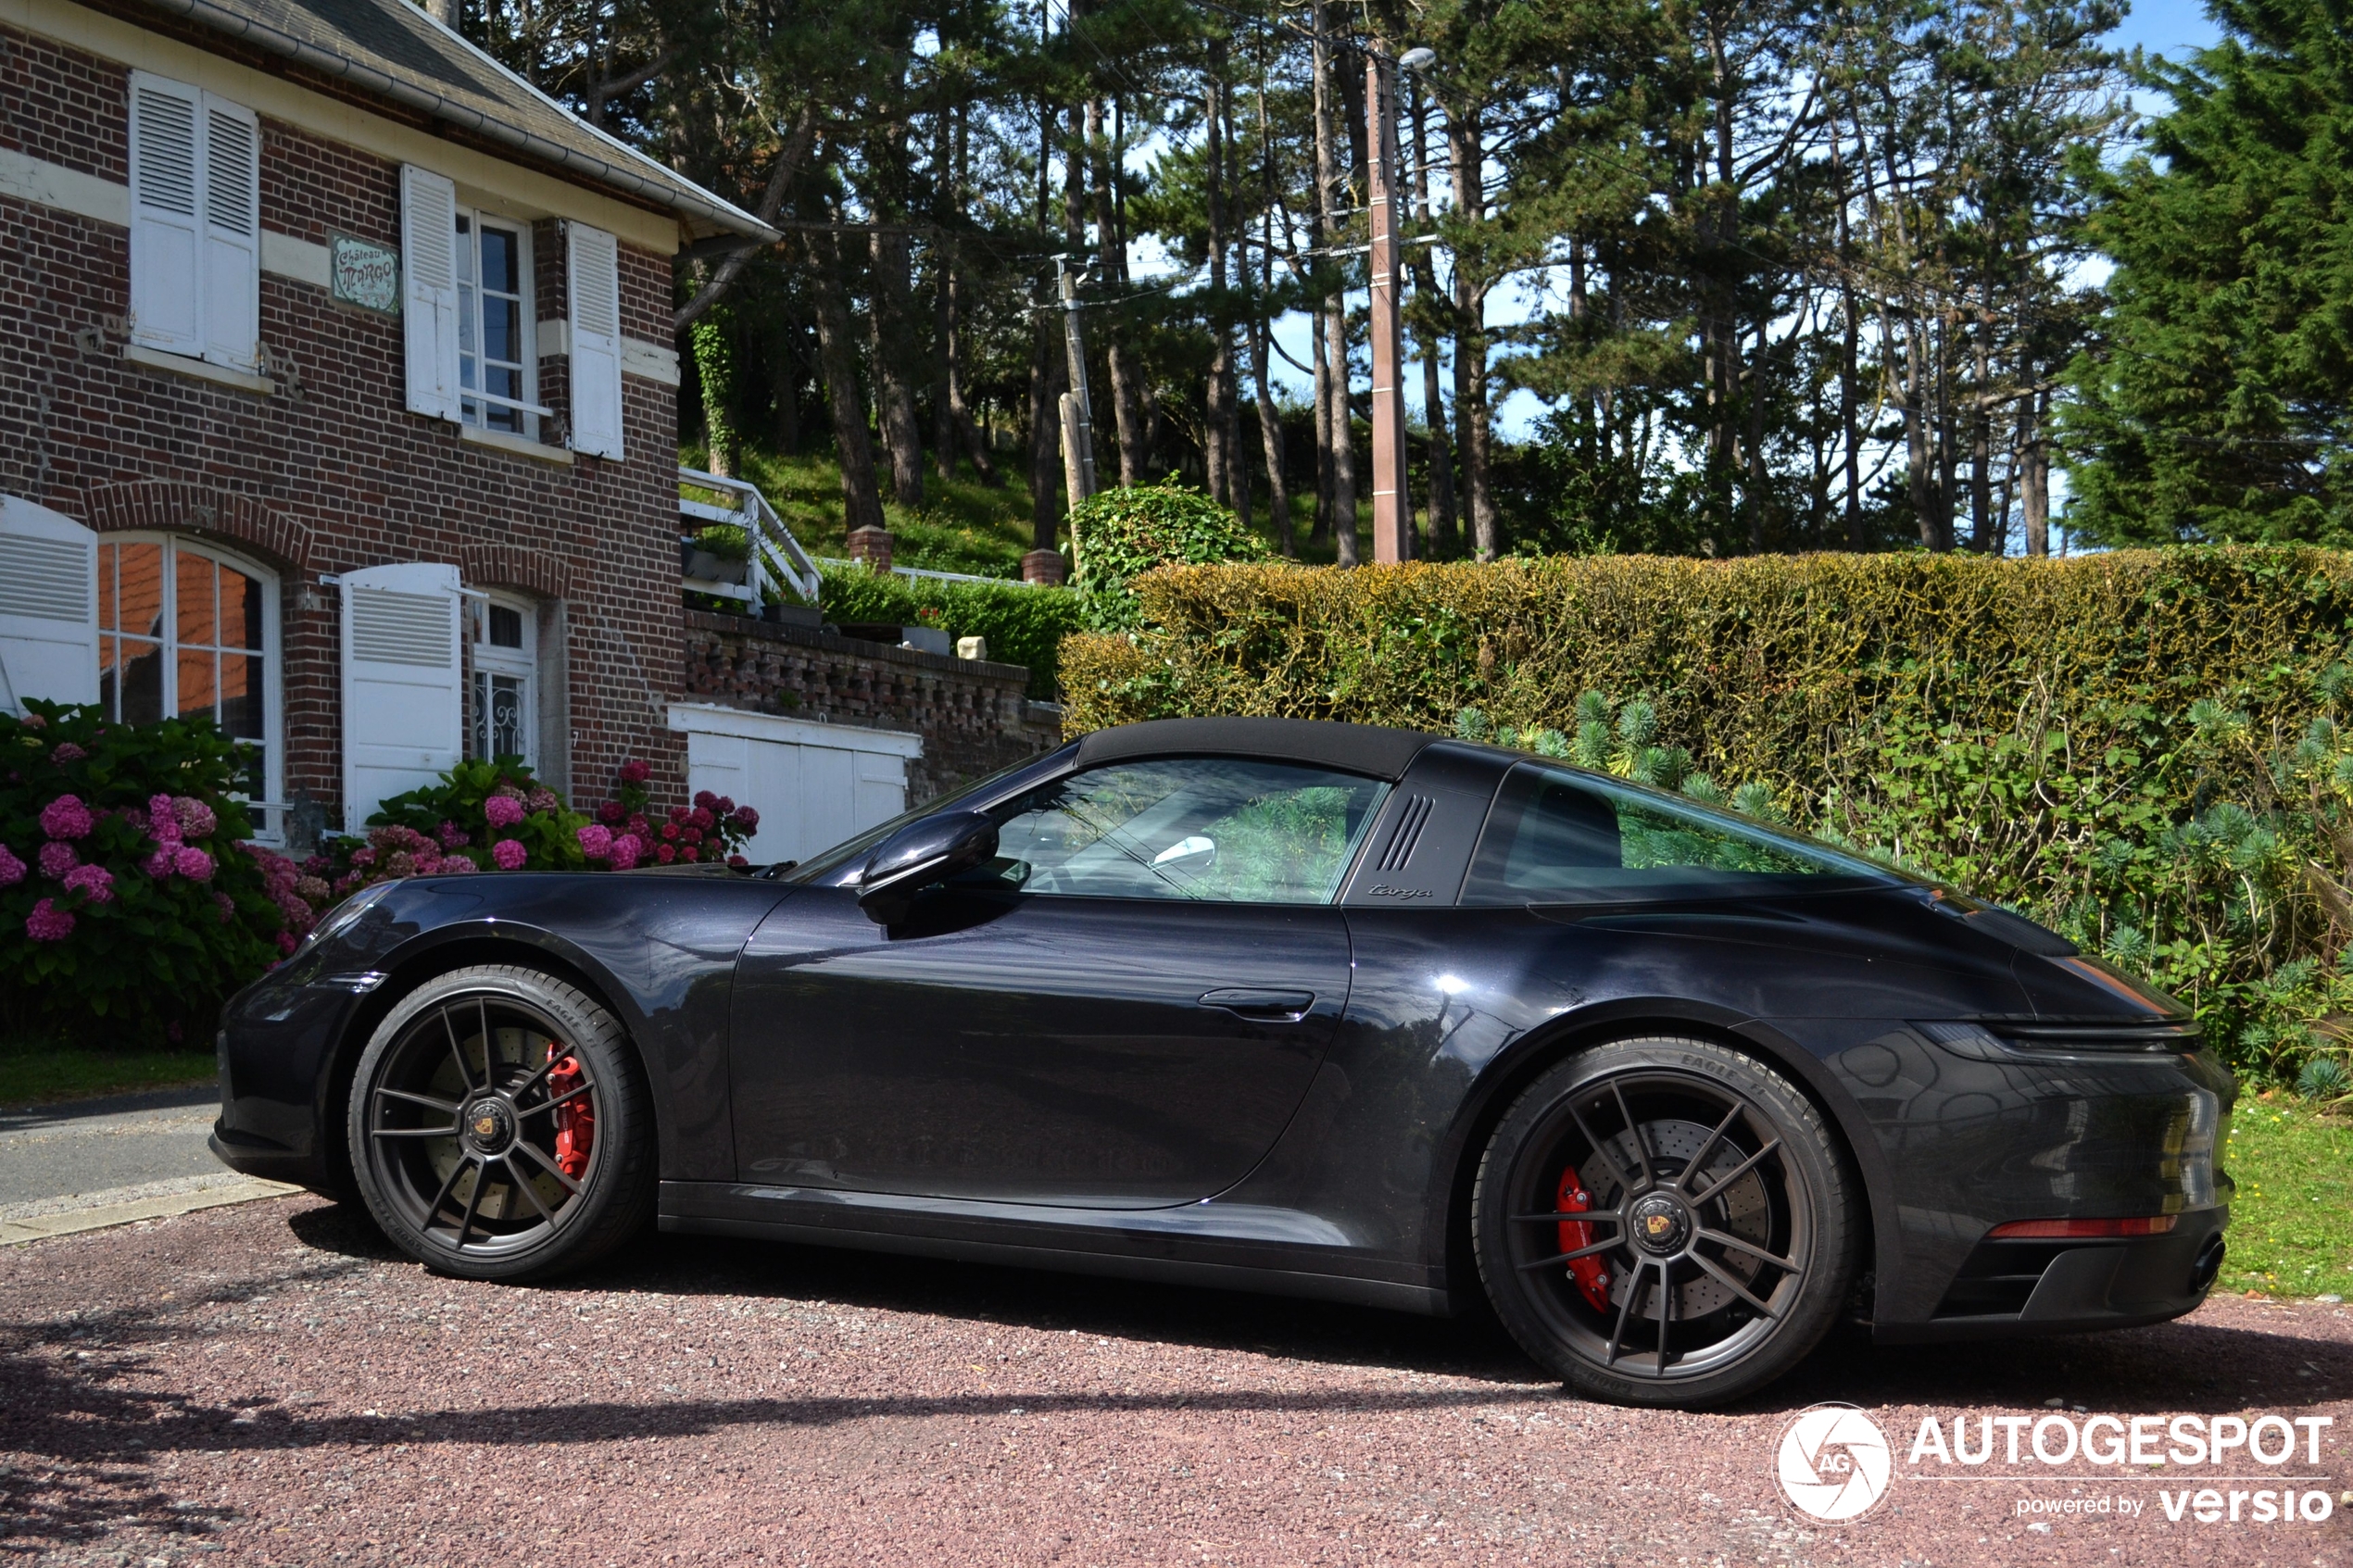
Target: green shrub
[(1120, 535), (130, 906), (2142, 749), (1024, 625)]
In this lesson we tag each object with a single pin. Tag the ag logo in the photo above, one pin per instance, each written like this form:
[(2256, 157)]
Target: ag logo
[(1834, 1463)]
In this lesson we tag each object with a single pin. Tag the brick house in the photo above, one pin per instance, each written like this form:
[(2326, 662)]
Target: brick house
[(337, 396)]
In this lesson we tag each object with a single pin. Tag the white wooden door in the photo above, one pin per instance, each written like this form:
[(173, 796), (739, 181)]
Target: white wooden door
[(813, 785)]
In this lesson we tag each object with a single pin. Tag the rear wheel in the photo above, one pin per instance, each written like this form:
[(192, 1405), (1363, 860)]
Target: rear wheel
[(1665, 1222), (500, 1128)]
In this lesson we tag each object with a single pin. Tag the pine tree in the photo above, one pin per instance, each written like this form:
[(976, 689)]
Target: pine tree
[(2220, 406)]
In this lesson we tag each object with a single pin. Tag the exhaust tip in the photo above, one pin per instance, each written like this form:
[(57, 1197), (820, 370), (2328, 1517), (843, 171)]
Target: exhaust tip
[(2209, 1264)]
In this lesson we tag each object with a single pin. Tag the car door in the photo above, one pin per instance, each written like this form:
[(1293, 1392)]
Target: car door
[(1121, 1010)]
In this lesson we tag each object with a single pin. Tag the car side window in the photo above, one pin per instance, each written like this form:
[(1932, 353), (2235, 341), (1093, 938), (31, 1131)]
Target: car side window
[(1215, 829), (1557, 836)]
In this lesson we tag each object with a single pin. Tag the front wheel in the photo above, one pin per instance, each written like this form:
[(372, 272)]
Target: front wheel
[(501, 1127), (1665, 1222)]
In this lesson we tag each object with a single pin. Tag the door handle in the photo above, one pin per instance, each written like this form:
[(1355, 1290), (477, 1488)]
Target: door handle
[(1261, 1007)]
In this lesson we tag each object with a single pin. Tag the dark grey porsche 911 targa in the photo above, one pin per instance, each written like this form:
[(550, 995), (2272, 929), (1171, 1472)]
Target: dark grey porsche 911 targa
[(1348, 1012)]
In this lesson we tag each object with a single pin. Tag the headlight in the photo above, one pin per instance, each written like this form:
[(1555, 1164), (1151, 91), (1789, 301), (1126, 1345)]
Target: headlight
[(338, 919)]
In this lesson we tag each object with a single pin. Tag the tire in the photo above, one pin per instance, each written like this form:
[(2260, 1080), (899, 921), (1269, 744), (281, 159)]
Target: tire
[(482, 1165), (1727, 1237)]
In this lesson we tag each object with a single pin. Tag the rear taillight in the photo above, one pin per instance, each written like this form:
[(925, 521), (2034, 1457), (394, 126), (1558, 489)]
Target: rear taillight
[(2080, 1230)]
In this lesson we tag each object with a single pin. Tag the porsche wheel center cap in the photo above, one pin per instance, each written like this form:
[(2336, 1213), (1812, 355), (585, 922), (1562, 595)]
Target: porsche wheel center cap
[(1659, 1224), (489, 1126)]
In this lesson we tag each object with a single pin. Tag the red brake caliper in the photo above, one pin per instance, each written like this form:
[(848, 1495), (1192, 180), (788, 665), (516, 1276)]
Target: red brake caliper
[(1590, 1273), (575, 1119)]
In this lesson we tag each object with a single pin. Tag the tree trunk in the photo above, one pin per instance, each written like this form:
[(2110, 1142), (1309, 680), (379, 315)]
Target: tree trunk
[(2034, 479), (1049, 378), (1441, 459), (837, 356), (1111, 264), (1338, 438), (783, 361), (895, 363), (1270, 437), (1218, 447), (1466, 155)]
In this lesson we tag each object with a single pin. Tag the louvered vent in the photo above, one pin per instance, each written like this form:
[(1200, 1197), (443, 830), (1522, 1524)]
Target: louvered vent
[(46, 579), (167, 152), (1398, 852), (228, 174), (389, 627)]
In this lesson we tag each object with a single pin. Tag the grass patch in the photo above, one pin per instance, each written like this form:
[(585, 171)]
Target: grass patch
[(2291, 1233), (34, 1072), (964, 525)]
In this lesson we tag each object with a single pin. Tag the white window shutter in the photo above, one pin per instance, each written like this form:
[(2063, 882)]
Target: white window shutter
[(593, 266), (429, 291), (166, 190), (231, 268), (48, 607), (403, 693)]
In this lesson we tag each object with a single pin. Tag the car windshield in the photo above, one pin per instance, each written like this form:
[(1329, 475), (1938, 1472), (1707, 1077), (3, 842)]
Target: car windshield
[(1560, 836)]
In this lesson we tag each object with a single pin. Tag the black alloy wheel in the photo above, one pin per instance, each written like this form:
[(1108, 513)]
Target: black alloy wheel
[(1665, 1222), (499, 1126)]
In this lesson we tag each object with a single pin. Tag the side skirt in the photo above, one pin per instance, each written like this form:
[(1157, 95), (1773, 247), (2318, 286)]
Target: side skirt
[(1149, 1244)]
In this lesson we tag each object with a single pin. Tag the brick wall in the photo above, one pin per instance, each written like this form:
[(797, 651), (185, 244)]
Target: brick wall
[(972, 716), (330, 473)]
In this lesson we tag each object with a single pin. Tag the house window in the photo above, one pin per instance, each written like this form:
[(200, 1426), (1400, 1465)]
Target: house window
[(188, 632), (497, 380), (505, 654)]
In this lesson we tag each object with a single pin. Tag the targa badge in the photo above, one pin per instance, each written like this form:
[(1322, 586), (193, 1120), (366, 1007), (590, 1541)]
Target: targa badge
[(1834, 1463)]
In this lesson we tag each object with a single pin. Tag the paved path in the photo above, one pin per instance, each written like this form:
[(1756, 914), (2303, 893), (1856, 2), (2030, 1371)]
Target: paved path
[(93, 1162), (268, 1384)]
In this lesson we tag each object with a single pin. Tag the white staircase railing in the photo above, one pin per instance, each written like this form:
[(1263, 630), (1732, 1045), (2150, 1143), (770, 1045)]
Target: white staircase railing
[(772, 554)]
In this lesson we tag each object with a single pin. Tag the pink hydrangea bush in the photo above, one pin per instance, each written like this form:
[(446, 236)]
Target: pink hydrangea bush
[(125, 863)]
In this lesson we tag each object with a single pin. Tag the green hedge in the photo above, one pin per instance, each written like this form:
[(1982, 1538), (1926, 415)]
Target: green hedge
[(2138, 747), (1024, 625)]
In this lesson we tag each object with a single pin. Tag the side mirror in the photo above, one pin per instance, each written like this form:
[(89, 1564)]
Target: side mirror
[(923, 854)]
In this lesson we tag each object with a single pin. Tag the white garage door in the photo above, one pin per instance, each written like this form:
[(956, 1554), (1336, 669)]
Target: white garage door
[(813, 785)]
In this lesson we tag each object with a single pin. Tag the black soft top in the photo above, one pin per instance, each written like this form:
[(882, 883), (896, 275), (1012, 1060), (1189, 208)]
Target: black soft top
[(1356, 748)]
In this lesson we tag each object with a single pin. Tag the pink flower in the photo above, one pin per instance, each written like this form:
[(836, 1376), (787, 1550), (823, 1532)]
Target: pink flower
[(158, 865), (690, 854), (744, 820), (400, 864), (47, 923), (634, 772), (502, 811), (509, 854), (295, 913), (625, 850), (162, 821), (191, 863), (66, 752), (701, 818), (595, 841), (287, 943), (452, 836), (611, 811), (197, 819), (66, 817), (57, 859), (224, 908), (11, 869), (670, 830), (456, 865), (737, 862), (543, 799), (313, 891), (664, 853), (93, 883)]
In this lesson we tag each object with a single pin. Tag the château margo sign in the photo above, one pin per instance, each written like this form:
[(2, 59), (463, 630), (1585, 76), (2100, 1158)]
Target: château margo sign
[(364, 274)]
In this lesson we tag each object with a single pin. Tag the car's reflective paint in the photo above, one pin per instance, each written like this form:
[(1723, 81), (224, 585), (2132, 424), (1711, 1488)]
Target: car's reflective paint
[(1043, 1080)]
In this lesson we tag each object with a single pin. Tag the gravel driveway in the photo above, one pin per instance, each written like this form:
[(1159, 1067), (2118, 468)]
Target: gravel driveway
[(266, 1384)]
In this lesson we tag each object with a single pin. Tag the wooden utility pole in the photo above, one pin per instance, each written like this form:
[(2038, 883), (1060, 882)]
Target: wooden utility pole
[(1078, 424)]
